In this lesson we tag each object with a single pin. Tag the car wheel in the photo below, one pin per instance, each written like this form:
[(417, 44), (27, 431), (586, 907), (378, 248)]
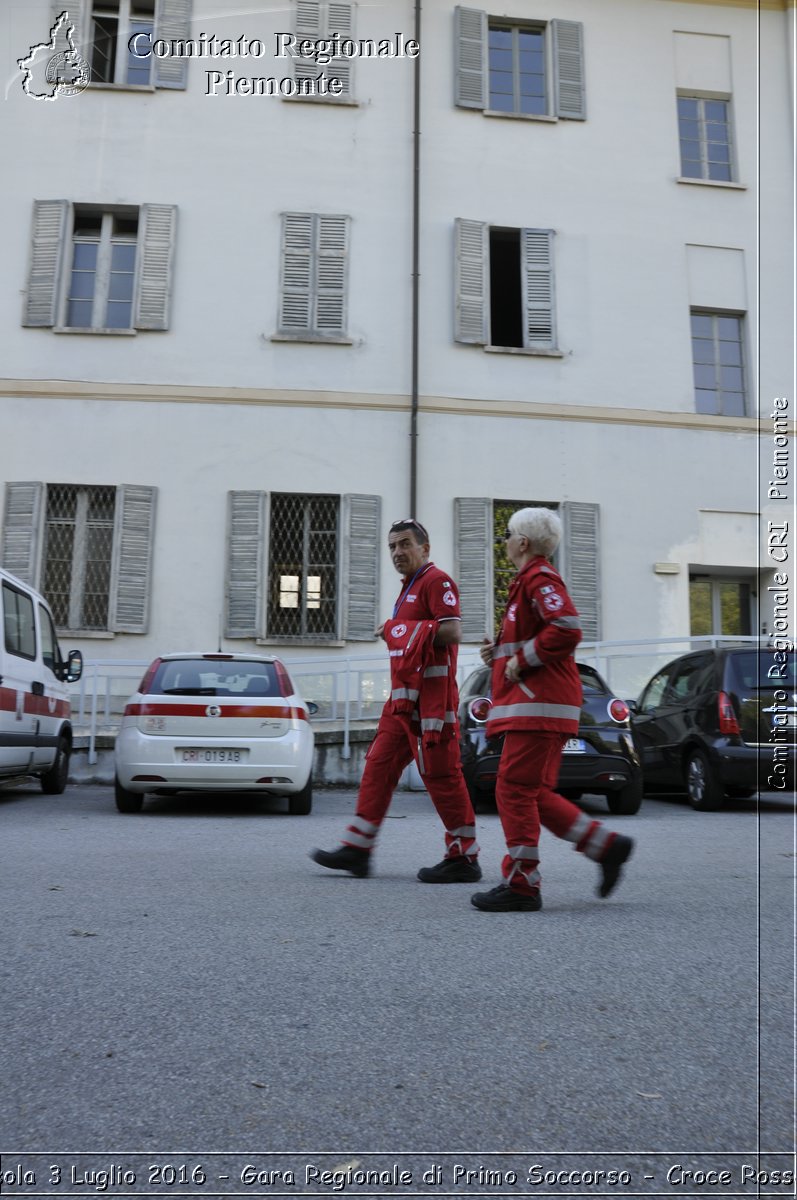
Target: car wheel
[(702, 786), (127, 802), (627, 801), (301, 803), (55, 780)]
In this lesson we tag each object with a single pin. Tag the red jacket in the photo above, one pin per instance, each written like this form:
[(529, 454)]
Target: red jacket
[(422, 679), (541, 626)]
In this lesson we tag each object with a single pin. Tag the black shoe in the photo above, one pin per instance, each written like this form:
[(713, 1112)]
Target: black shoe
[(346, 858), (506, 899), (452, 870), (611, 864)]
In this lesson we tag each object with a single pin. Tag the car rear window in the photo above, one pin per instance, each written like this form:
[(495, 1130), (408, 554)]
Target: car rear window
[(198, 677), (766, 668)]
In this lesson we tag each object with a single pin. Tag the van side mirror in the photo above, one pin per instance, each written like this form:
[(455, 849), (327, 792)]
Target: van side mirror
[(72, 669), (312, 707)]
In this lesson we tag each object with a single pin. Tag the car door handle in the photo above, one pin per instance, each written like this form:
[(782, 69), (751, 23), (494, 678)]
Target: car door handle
[(37, 688)]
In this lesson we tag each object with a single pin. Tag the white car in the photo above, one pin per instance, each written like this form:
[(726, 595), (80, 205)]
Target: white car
[(215, 722)]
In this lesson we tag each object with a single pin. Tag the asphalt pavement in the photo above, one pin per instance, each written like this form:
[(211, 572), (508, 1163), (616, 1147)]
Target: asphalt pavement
[(186, 980)]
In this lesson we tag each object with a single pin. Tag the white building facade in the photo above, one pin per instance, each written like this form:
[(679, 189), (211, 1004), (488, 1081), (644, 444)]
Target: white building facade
[(545, 260)]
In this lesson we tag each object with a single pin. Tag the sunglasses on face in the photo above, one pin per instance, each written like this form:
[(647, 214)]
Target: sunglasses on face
[(409, 523)]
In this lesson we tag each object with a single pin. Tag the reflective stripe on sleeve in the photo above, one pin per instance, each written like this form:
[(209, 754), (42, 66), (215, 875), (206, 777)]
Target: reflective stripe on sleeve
[(567, 622), (506, 649), (557, 712), (435, 672), (530, 654), (404, 694)]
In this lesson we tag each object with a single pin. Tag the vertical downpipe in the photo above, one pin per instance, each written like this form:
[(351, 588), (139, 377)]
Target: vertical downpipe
[(416, 194)]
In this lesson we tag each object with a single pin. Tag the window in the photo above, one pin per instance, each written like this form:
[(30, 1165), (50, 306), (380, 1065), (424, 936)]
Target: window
[(524, 69), (51, 651), (100, 270), (704, 129), (19, 630), (113, 24), (313, 278), (690, 678), (302, 567), (653, 695), (720, 606), (87, 548), (504, 287), (323, 19), (483, 572), (718, 363), (104, 28)]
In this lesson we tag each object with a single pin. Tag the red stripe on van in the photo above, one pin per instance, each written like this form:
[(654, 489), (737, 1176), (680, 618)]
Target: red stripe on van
[(41, 706)]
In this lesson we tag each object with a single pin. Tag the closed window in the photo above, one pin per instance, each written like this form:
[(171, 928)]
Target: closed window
[(313, 278), (324, 20), (718, 363), (100, 270), (721, 606), (19, 629), (302, 567), (524, 69), (504, 287), (87, 548), (116, 36), (704, 130)]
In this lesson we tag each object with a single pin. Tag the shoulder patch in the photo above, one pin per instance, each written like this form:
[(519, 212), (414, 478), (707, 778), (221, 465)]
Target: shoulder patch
[(450, 599)]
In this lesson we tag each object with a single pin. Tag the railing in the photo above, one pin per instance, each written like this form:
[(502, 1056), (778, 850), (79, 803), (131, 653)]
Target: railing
[(354, 687)]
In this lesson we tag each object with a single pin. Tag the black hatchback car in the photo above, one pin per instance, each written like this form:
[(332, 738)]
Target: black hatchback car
[(601, 760), (719, 722)]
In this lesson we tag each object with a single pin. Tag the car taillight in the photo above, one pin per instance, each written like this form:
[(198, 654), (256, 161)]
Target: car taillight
[(728, 722), (283, 679), (480, 709), (146, 682), (619, 711)]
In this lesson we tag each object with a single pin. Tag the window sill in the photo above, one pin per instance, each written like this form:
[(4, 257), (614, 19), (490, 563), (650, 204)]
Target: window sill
[(89, 634), (546, 118), (101, 332), (317, 339), (524, 350), (336, 101), (122, 87), (712, 183), (322, 643)]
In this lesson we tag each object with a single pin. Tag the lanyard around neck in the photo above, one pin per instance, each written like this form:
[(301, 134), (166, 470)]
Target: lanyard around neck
[(403, 595)]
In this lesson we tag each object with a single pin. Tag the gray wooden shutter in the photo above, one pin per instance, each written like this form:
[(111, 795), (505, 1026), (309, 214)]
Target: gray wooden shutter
[(131, 560), (361, 541), (247, 539), (23, 524), (296, 272), (581, 565), (172, 21), (470, 49), (473, 565), (47, 252), (340, 20), (76, 18), (536, 248), (471, 281), (157, 227), (570, 100), (331, 265), (310, 24)]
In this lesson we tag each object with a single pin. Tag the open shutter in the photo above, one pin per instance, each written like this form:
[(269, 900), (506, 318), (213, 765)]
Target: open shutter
[(539, 332), (362, 537), (471, 281), (154, 258), (131, 564), (75, 18), (316, 20), (568, 61), (23, 520), (340, 20), (470, 43), (331, 273), (473, 565), (172, 22), (296, 263), (247, 538), (310, 25), (581, 566), (47, 249)]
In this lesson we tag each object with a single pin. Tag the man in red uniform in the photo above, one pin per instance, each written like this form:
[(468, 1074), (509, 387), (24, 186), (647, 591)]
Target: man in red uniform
[(419, 721), (536, 693)]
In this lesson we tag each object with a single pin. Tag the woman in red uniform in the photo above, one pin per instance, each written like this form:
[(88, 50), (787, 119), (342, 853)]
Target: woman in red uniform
[(536, 693)]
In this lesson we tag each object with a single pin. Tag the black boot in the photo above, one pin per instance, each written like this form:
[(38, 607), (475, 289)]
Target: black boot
[(611, 864), (345, 858)]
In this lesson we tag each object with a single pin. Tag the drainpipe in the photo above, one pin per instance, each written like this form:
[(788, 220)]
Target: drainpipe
[(416, 193)]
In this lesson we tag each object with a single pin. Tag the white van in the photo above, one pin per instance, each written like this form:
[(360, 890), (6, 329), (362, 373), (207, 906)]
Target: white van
[(35, 725)]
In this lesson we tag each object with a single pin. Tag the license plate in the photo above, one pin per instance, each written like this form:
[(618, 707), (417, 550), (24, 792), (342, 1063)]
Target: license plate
[(196, 755), (574, 746)]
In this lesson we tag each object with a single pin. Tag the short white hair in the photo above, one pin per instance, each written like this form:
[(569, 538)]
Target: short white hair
[(542, 527)]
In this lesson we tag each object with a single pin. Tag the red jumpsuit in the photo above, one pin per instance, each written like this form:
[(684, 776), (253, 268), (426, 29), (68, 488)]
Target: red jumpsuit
[(430, 595), (537, 715)]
